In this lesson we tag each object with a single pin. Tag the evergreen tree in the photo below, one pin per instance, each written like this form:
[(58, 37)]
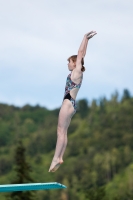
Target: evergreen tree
[(102, 104), (23, 170), (83, 107), (96, 194), (115, 97), (126, 95)]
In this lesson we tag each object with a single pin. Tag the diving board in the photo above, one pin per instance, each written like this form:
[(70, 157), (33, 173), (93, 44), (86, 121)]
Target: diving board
[(31, 186)]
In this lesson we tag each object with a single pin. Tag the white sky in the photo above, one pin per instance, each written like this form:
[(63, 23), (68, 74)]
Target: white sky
[(37, 37)]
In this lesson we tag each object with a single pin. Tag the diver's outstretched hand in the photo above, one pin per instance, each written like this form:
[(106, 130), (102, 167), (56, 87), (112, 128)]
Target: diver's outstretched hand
[(90, 34)]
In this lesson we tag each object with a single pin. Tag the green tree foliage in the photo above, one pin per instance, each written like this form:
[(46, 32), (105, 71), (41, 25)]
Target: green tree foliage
[(22, 170), (96, 194), (83, 107), (99, 153), (126, 94), (5, 166)]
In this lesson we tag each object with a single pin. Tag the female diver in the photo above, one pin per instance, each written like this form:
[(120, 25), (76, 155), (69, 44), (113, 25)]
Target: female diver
[(68, 108)]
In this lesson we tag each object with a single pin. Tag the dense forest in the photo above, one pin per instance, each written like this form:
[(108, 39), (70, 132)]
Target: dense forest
[(98, 162)]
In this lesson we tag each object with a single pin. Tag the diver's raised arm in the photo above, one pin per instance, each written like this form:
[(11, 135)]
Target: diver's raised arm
[(83, 48)]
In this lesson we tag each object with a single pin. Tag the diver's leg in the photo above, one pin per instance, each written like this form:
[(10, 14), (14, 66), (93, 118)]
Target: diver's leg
[(65, 143), (64, 119)]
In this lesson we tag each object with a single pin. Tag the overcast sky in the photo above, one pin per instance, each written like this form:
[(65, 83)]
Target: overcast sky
[(37, 37)]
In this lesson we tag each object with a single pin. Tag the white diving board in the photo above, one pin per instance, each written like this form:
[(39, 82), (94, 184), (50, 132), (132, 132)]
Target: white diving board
[(31, 186)]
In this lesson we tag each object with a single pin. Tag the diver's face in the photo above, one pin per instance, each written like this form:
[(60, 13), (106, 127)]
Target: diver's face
[(71, 65)]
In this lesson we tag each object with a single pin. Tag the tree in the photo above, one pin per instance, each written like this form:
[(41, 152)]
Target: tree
[(23, 170), (83, 107), (102, 104), (126, 95), (115, 97), (96, 194)]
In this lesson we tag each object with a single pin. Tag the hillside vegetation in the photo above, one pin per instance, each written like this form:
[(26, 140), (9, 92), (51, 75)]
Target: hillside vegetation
[(98, 162)]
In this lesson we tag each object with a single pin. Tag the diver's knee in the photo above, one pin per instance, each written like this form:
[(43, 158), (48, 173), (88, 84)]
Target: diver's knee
[(61, 130)]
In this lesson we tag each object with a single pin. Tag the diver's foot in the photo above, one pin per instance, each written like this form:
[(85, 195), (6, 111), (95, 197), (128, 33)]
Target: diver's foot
[(55, 165), (61, 160)]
